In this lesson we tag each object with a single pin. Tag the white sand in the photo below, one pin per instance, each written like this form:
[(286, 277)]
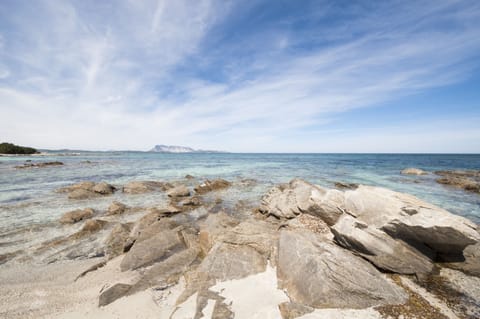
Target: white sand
[(253, 297)]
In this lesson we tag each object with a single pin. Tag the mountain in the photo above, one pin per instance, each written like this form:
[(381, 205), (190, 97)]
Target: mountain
[(177, 149)]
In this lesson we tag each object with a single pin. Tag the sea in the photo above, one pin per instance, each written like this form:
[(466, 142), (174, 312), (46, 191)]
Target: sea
[(28, 198)]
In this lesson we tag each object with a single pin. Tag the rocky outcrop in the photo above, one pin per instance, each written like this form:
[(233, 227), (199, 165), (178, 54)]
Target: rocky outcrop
[(466, 180), (141, 187), (116, 208), (289, 200), (86, 190), (316, 273), (212, 185), (426, 227), (77, 215), (379, 248), (413, 171)]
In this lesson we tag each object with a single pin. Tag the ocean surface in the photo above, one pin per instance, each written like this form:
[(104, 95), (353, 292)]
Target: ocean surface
[(27, 196)]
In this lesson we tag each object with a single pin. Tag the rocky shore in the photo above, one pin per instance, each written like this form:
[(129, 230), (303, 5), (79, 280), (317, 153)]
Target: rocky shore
[(303, 251)]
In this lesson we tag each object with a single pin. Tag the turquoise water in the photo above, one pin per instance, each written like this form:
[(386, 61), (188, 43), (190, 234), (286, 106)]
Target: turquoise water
[(27, 195)]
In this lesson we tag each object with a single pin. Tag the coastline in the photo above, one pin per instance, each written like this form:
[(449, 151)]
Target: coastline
[(160, 254)]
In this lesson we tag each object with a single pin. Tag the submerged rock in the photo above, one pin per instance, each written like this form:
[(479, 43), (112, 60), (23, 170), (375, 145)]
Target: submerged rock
[(321, 275), (426, 227), (288, 201), (179, 191), (103, 188), (76, 216), (39, 165), (466, 180), (141, 187), (212, 185), (413, 171)]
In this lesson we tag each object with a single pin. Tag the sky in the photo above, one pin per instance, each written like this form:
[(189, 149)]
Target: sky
[(242, 76)]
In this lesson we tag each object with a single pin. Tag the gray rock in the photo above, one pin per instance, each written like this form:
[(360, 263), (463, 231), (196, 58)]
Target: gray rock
[(154, 249), (322, 275), (470, 263), (422, 225), (179, 191), (113, 293), (413, 171), (77, 215), (288, 201), (116, 208), (379, 248)]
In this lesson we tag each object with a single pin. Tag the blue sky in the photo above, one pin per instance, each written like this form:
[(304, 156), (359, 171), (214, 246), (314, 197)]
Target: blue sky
[(242, 76)]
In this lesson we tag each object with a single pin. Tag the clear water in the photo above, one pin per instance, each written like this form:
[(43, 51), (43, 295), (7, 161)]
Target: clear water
[(27, 196)]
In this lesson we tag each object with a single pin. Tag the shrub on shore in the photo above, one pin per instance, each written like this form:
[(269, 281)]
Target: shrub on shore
[(9, 148)]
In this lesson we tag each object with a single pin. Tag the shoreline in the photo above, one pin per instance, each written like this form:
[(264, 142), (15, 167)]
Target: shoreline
[(142, 261)]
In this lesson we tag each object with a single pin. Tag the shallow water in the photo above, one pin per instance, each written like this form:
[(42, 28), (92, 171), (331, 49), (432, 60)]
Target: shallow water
[(27, 195)]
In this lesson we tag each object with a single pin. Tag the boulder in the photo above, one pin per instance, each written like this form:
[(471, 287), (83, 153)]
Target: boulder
[(104, 188), (179, 191), (85, 190), (380, 249), (413, 171), (320, 274), (115, 243), (76, 216), (116, 208), (426, 227), (212, 185), (154, 249), (93, 225), (141, 187), (288, 201)]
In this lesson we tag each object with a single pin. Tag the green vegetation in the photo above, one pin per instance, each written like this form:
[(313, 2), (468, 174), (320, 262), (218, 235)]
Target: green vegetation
[(9, 148)]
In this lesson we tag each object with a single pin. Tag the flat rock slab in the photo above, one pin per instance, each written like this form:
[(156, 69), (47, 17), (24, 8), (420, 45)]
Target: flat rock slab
[(322, 275)]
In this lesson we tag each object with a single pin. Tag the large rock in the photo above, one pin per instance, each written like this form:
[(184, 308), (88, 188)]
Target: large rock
[(425, 226), (212, 185), (141, 187), (413, 171), (322, 275), (154, 249), (76, 216), (288, 201), (471, 261), (379, 248)]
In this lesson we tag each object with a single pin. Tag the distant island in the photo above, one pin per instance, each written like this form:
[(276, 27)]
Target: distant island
[(9, 148), (178, 149)]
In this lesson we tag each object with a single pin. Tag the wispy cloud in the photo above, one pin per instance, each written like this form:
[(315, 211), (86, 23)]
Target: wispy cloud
[(217, 74)]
